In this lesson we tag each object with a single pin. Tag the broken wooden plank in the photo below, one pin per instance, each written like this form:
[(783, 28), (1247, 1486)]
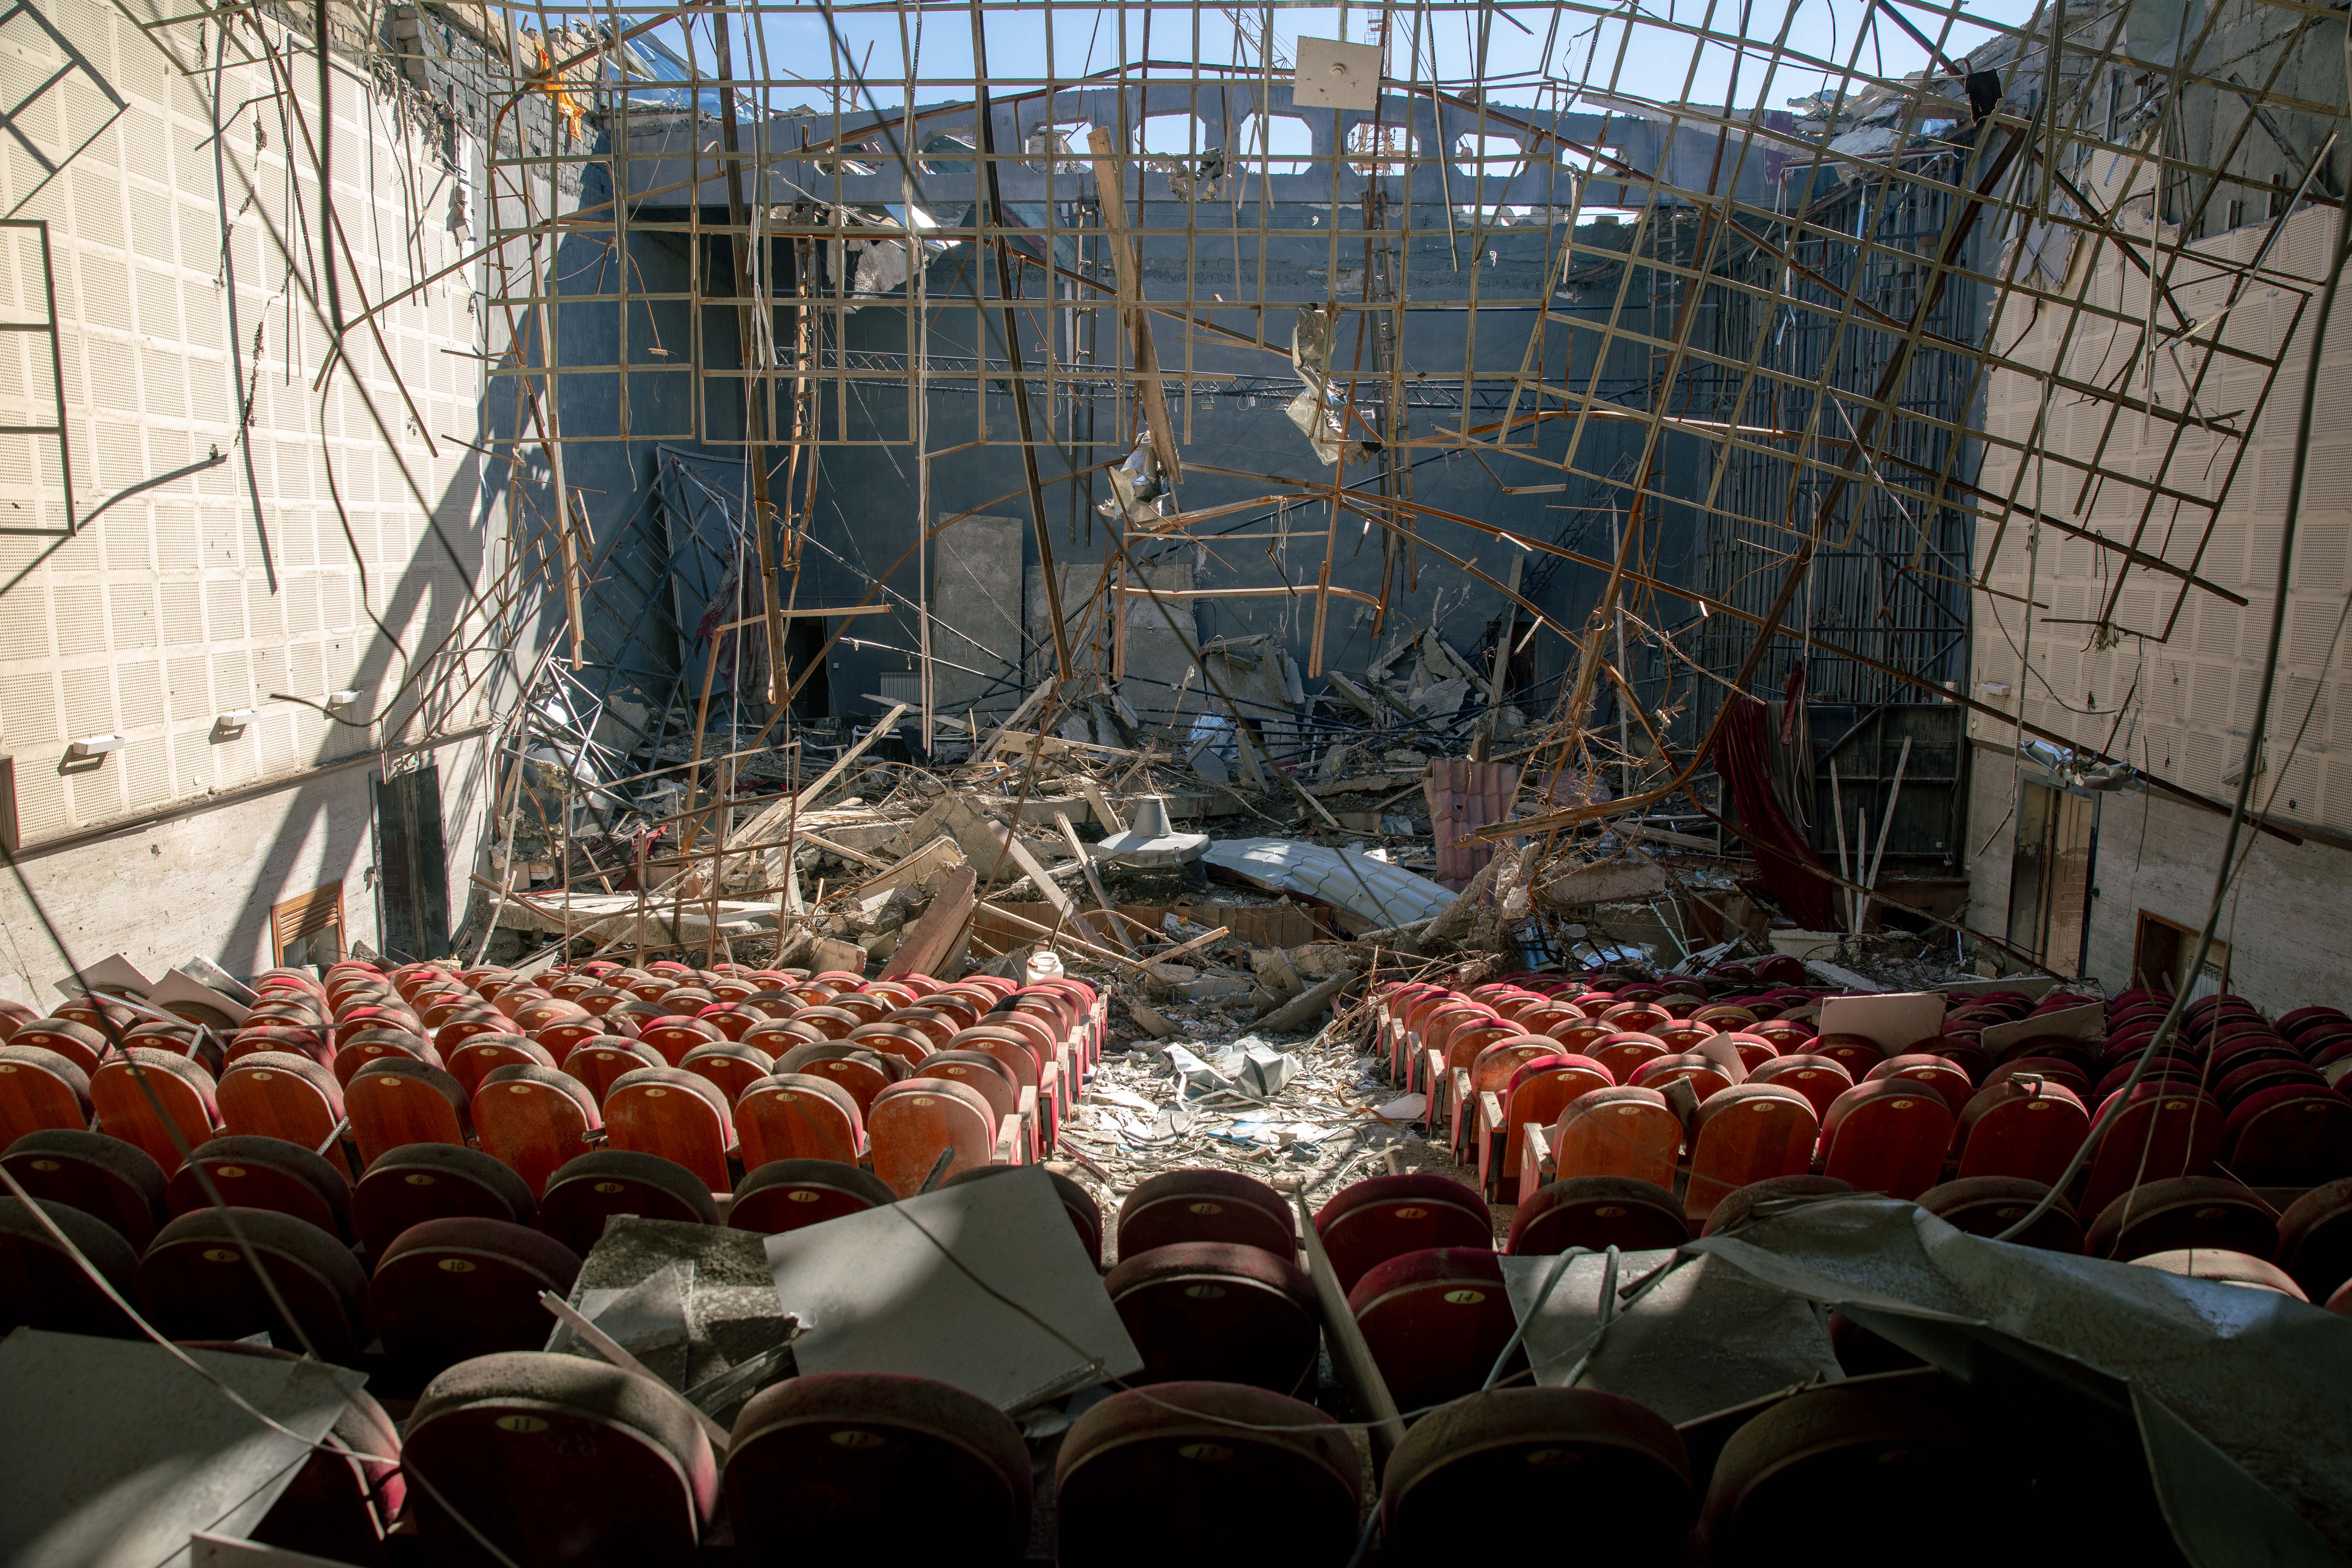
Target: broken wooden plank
[(1064, 939), (1104, 813), (1094, 878), (781, 810), (1028, 704), (928, 940), (1203, 940)]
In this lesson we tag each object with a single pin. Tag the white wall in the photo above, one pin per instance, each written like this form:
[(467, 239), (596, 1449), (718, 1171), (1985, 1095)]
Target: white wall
[(190, 601), (2287, 928), (2175, 693)]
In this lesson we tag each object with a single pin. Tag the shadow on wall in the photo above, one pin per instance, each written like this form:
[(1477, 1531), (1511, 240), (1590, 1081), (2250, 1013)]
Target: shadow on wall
[(95, 894)]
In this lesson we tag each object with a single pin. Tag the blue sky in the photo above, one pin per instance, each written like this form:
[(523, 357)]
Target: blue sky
[(1654, 60)]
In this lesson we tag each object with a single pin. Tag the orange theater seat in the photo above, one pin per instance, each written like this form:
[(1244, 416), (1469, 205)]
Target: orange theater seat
[(41, 1090), (393, 1101), (158, 1100), (277, 1094), (1888, 1136), (1618, 1131), (798, 1116), (675, 1115), (1747, 1133), (912, 1123), (533, 1120)]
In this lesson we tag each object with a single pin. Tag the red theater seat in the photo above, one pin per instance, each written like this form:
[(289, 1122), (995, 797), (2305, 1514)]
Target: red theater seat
[(788, 1195), (1435, 1322), (1371, 1221), (1187, 1473), (1615, 1467), (198, 1281), (558, 1459), (449, 1289), (1214, 1312), (817, 1465), (249, 1171), (116, 1182)]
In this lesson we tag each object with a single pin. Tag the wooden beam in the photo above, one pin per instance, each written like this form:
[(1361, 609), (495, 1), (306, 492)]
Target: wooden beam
[(1104, 812), (1028, 705), (1064, 939), (931, 938), (764, 823), (783, 615), (1203, 940), (1110, 193), (1093, 878)]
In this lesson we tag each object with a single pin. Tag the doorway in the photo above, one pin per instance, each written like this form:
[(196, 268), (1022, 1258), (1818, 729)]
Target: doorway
[(414, 874), (2050, 876), (2161, 950)]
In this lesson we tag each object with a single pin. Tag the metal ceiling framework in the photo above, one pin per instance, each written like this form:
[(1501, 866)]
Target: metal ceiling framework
[(1826, 300)]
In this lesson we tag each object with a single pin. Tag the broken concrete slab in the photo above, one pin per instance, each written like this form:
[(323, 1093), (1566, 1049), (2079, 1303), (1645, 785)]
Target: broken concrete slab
[(826, 952), (922, 869), (1274, 971), (1620, 881)]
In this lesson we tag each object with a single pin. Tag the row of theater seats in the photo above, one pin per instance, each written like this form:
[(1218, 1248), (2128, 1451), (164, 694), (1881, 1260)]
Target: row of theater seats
[(557, 1458), (438, 1254), (720, 1072), (1210, 1286), (1182, 1473), (1703, 1087)]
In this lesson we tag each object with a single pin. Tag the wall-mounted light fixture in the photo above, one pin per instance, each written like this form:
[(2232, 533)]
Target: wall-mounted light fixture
[(93, 746), (235, 718), (336, 700)]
